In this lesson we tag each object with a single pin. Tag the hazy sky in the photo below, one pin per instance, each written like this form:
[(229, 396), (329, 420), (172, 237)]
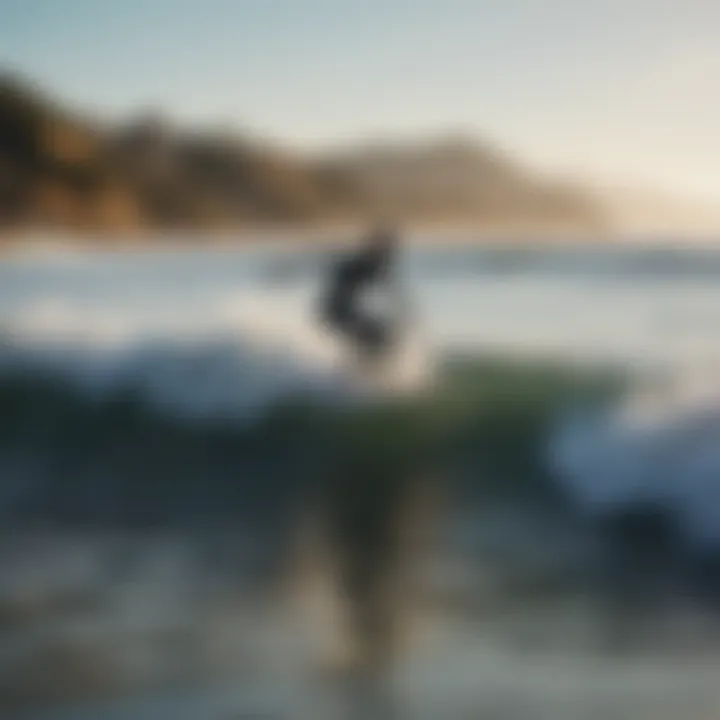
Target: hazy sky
[(611, 89)]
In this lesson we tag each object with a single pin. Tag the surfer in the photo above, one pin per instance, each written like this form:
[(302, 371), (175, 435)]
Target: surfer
[(371, 335)]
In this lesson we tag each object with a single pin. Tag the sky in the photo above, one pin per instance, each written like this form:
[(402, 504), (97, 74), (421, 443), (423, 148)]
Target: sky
[(616, 91)]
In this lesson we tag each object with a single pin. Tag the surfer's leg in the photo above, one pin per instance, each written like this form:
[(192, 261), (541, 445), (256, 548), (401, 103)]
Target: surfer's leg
[(373, 339)]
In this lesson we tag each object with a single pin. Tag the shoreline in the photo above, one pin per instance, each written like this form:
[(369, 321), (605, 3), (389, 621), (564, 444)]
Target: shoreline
[(296, 237)]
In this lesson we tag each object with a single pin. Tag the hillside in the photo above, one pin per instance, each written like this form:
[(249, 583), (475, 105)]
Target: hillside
[(59, 169), (458, 179)]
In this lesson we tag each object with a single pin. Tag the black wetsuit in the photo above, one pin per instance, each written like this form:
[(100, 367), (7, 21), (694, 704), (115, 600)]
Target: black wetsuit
[(350, 277)]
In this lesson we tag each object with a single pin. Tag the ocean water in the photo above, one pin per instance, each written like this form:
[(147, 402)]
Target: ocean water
[(137, 604), (648, 305), (231, 330)]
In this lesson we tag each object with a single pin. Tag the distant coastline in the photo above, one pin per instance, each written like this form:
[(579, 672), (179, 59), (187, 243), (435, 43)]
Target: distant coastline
[(66, 181), (148, 177)]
